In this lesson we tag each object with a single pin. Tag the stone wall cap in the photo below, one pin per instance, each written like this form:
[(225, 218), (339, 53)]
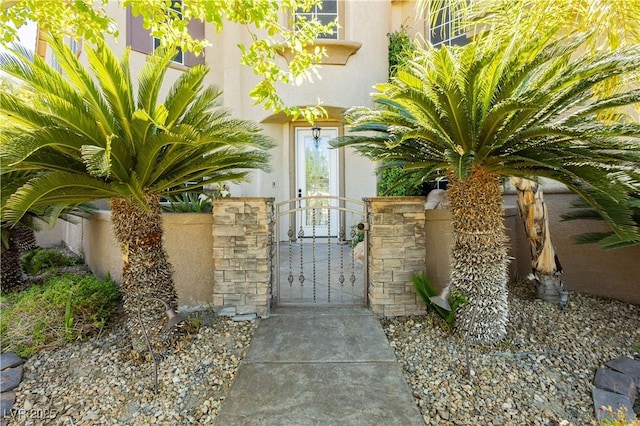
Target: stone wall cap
[(437, 214), (188, 218), (397, 199), (510, 210), (271, 199)]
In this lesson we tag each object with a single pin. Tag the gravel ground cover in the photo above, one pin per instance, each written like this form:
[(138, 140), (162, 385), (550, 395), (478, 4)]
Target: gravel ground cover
[(97, 383), (542, 374)]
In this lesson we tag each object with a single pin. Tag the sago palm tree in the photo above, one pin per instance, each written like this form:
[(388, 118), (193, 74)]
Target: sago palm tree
[(17, 238), (20, 237), (94, 135), (605, 25), (521, 109)]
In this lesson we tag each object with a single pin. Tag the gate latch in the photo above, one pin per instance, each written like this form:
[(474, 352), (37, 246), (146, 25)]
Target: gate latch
[(362, 226)]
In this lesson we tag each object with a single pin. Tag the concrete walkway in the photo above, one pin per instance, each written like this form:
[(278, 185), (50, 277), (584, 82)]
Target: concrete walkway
[(319, 366)]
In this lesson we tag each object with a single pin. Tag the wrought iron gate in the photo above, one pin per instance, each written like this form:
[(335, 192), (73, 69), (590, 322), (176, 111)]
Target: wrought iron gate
[(318, 258)]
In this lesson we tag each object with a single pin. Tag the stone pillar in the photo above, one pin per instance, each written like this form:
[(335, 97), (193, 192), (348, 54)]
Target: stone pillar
[(396, 253), (242, 255)]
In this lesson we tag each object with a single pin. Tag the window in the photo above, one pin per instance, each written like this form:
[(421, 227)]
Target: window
[(141, 40), (442, 33), (326, 12), (337, 48), (177, 7)]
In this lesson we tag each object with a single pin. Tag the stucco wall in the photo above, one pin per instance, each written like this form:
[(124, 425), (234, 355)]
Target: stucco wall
[(439, 239), (187, 240), (587, 267), (69, 234)]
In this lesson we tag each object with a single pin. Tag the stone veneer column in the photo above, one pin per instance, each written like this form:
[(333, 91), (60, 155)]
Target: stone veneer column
[(242, 255), (397, 251)]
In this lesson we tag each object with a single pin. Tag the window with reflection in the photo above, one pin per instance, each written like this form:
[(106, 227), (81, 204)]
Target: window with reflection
[(325, 12), (443, 33)]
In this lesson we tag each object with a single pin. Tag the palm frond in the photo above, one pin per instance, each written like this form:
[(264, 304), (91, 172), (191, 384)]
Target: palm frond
[(151, 77), (52, 188), (183, 92), (85, 86), (518, 109), (88, 127), (115, 85)]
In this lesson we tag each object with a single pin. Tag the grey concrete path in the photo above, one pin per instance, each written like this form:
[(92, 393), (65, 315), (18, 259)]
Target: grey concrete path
[(319, 366)]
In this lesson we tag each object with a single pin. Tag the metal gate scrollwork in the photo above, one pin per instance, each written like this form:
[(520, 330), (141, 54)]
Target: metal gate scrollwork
[(315, 263)]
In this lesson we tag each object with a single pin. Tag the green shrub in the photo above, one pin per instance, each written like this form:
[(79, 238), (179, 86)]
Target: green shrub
[(358, 238), (65, 308), (618, 418), (39, 259), (425, 290), (400, 49), (189, 202), (391, 185)]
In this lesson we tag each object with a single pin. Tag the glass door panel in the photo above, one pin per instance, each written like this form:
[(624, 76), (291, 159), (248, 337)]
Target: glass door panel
[(317, 176)]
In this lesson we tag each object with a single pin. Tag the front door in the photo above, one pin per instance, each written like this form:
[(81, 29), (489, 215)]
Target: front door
[(317, 176)]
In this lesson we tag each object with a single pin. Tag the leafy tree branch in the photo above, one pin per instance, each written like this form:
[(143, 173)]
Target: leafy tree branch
[(271, 25)]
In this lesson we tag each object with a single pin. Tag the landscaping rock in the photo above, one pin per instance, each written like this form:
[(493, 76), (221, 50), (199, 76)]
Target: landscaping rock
[(628, 366), (614, 381), (7, 399), (542, 374), (229, 311), (98, 382), (245, 317), (543, 371), (10, 360), (603, 398), (10, 378)]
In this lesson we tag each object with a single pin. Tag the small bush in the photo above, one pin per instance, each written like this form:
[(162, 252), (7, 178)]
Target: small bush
[(358, 238), (39, 259), (391, 185), (189, 202), (65, 308), (618, 418), (425, 290)]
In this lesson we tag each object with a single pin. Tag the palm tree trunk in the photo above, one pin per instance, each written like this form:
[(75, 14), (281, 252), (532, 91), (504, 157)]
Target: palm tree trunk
[(546, 268), (11, 269), (479, 254), (25, 238), (147, 272)]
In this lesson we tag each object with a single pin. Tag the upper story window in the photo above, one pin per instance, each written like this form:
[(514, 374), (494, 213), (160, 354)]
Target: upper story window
[(176, 6), (442, 33), (325, 12), (178, 59), (141, 40), (337, 48)]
